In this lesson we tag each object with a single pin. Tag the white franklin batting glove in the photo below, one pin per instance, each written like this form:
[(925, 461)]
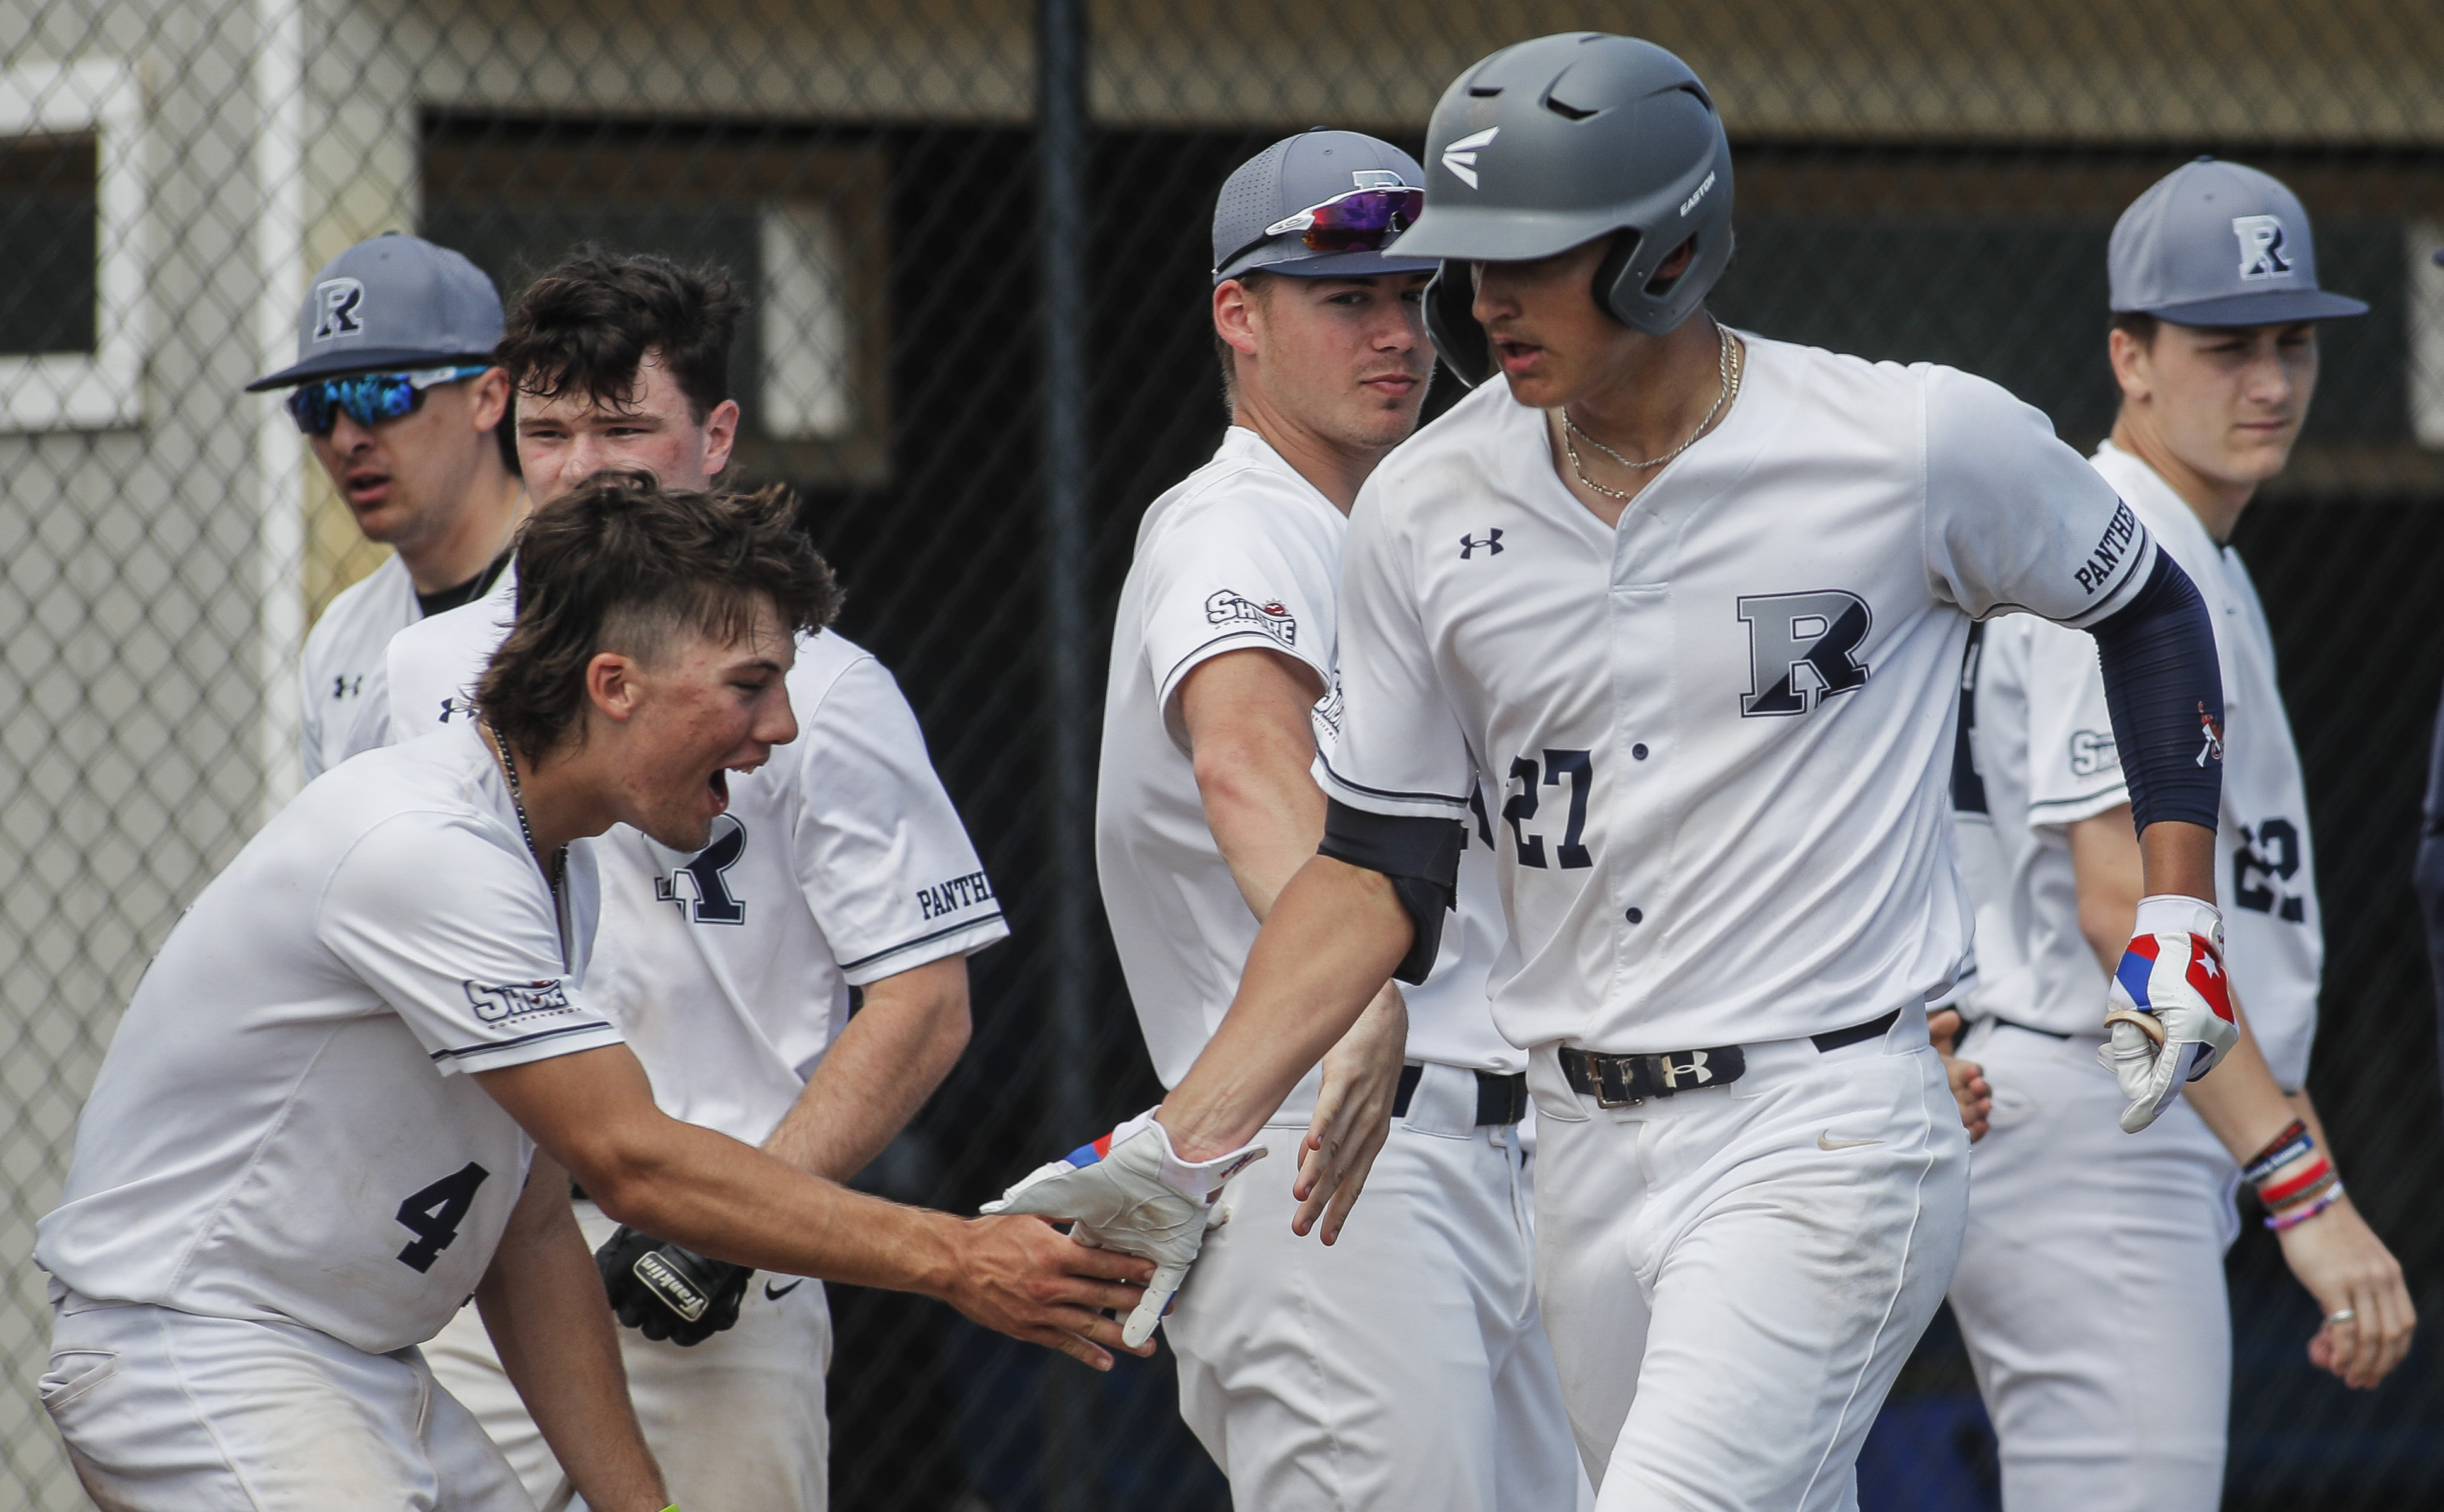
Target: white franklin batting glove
[(1128, 1191), (2170, 1010)]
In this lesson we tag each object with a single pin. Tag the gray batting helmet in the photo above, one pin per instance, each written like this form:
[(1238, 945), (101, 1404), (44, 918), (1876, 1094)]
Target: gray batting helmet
[(1551, 144)]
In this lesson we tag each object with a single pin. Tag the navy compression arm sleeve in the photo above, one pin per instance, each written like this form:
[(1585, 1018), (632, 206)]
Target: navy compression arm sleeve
[(1421, 857), (2165, 689)]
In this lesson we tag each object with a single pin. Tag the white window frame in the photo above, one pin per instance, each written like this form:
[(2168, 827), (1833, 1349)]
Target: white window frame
[(102, 389)]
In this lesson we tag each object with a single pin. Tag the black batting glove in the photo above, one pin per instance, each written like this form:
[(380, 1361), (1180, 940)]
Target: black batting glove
[(665, 1292)]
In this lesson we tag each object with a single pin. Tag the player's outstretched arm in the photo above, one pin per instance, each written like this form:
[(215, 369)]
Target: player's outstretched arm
[(1249, 716), (1334, 936), (542, 1302), (593, 1111), (2170, 1012)]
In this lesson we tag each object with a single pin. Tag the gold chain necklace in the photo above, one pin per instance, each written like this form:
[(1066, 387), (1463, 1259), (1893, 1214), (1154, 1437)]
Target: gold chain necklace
[(1728, 380)]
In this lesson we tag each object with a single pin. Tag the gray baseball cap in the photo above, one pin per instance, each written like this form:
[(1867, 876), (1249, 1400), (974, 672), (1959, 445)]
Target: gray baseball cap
[(2218, 244), (394, 302), (1298, 174)]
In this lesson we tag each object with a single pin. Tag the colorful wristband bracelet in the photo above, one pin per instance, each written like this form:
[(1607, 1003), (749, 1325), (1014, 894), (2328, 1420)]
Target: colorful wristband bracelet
[(2299, 1187), (2281, 1150), (2306, 1195), (2300, 1215)]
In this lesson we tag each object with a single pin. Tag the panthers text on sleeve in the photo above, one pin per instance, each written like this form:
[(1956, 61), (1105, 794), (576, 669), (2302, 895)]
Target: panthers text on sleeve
[(840, 862), (1242, 553), (281, 1130), (340, 676), (1724, 730), (2051, 735)]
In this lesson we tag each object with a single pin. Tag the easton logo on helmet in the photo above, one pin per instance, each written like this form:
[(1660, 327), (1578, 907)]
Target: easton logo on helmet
[(1460, 157)]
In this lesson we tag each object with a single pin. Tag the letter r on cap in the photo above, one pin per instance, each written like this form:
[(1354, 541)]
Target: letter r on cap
[(336, 305), (2261, 246)]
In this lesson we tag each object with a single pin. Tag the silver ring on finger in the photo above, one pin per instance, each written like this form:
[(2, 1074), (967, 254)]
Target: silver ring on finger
[(2347, 1314)]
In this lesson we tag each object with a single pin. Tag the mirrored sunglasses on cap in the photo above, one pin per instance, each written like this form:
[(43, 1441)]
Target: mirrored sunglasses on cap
[(1359, 221), (368, 398)]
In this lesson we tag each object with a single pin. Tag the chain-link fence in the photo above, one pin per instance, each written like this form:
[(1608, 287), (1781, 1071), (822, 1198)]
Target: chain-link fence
[(976, 234)]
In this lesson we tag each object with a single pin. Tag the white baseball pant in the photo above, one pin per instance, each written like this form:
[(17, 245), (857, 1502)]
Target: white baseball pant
[(2091, 1291), (1405, 1368), (737, 1421), (1734, 1276), (171, 1412)]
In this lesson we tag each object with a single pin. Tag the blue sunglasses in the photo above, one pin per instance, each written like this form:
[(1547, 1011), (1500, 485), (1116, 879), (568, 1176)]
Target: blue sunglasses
[(368, 398)]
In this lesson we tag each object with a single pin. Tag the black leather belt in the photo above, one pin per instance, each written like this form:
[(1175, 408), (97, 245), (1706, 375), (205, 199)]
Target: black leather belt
[(1619, 1081), (1499, 1099), (2030, 1028)]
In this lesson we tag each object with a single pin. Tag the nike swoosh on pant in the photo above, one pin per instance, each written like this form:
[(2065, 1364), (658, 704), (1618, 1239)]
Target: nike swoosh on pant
[(1826, 1141), (772, 1296)]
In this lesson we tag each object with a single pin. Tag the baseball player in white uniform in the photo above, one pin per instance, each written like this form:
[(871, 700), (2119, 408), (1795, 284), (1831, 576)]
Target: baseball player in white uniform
[(1407, 1366), (310, 1141), (839, 867), (1710, 678), (400, 401), (2107, 1389)]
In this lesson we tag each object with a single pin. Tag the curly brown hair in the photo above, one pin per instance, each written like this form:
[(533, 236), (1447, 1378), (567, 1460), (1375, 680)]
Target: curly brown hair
[(621, 563)]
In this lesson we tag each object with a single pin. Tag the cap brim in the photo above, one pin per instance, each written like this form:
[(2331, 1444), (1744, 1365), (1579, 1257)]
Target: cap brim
[(364, 359), (2283, 308), (1328, 265), (1352, 264), (1475, 235)]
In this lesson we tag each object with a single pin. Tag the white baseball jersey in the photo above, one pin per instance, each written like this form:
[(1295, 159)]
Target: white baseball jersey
[(839, 862), (1242, 553), (2044, 741), (339, 676), (280, 1132), (1723, 729), (430, 668)]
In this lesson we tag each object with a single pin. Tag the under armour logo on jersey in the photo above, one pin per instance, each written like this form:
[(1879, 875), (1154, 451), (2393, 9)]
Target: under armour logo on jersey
[(338, 305), (1801, 648), (1460, 157), (452, 707), (347, 687), (2212, 728), (1691, 1072), (2261, 246), (1491, 545), (712, 902)]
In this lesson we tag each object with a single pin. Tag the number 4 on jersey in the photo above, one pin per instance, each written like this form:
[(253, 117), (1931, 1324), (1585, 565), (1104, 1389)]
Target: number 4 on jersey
[(435, 1214)]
